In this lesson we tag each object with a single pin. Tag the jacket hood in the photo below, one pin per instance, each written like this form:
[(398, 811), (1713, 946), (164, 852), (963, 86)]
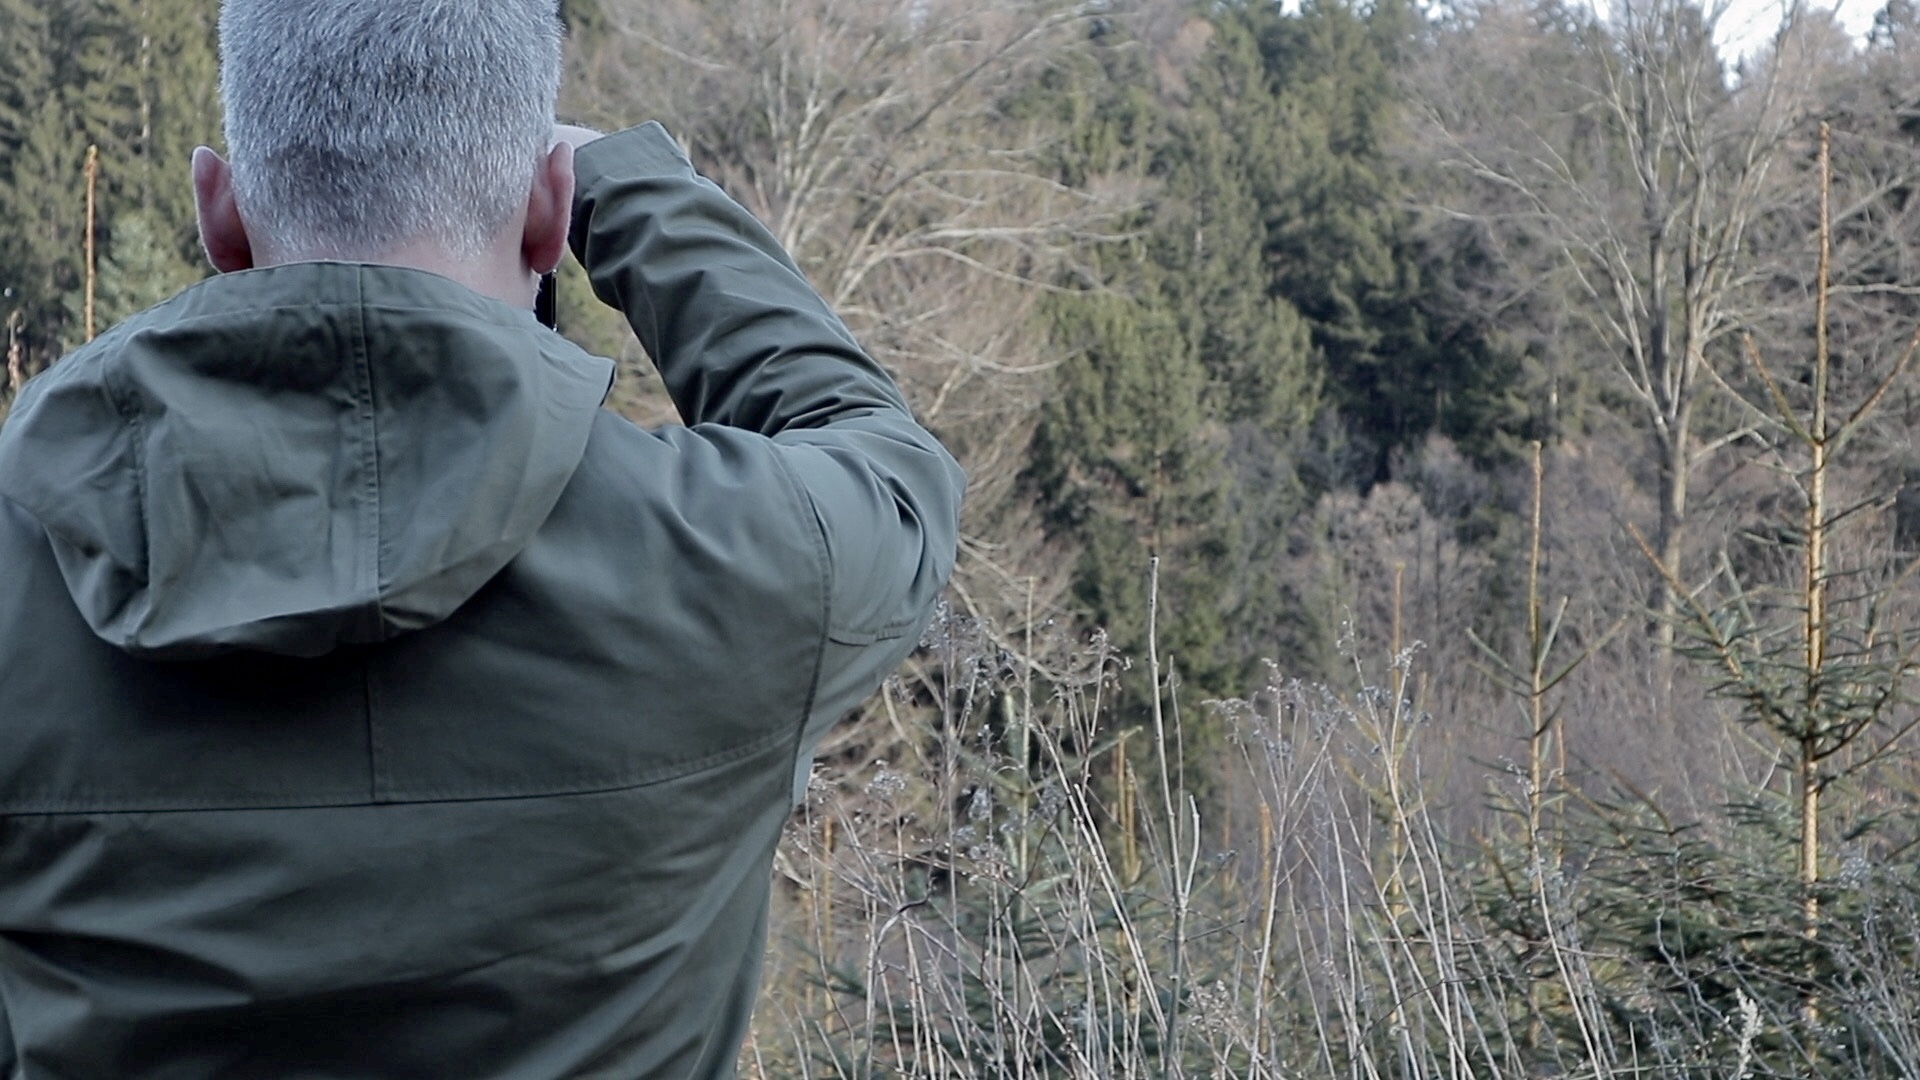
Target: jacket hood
[(294, 459)]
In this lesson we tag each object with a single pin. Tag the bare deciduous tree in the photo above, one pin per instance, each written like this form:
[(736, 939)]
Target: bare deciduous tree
[(901, 150), (1618, 165)]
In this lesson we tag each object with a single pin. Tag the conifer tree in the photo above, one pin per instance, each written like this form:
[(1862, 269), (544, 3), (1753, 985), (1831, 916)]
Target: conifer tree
[(1342, 240), (156, 76), (41, 201), (136, 78), (1171, 427), (26, 70)]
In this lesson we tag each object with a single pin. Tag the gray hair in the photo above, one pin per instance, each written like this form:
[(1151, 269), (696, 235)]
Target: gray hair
[(355, 126)]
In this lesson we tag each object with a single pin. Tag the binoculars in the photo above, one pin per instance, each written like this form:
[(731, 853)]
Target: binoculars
[(546, 305)]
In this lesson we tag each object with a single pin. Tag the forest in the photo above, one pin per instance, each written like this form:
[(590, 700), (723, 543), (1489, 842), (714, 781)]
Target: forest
[(1437, 589)]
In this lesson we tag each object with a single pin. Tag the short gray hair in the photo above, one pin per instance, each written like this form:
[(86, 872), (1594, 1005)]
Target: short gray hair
[(355, 126)]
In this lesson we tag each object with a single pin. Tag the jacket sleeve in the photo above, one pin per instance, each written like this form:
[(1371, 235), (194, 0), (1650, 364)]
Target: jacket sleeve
[(741, 340)]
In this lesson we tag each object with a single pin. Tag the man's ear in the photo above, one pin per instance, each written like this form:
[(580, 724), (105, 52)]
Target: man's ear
[(549, 211), (222, 233)]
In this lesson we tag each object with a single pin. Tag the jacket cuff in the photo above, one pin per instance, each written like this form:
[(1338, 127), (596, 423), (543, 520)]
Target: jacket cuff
[(639, 152)]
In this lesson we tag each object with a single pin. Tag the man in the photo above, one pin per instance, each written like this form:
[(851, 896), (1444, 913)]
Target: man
[(374, 704)]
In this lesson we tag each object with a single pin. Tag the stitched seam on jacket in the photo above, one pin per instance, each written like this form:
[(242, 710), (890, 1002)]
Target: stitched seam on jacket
[(367, 423)]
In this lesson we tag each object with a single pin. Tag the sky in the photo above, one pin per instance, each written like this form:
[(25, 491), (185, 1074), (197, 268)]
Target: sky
[(1749, 24)]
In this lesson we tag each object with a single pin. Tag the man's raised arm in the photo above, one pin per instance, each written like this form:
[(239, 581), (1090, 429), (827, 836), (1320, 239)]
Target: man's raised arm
[(742, 340)]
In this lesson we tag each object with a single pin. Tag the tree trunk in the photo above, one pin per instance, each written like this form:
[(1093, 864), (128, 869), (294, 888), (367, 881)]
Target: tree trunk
[(1670, 541), (1673, 421)]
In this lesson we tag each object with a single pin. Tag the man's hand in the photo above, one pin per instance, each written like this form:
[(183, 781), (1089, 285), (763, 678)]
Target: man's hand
[(574, 135)]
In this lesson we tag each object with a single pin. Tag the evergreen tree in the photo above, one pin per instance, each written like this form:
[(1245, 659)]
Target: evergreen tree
[(1341, 239), (137, 79), (1226, 159), (26, 70), (1188, 383), (1135, 471), (156, 75), (42, 203), (138, 269)]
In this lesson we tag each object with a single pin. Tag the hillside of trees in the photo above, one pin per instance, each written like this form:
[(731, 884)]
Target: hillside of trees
[(1438, 580)]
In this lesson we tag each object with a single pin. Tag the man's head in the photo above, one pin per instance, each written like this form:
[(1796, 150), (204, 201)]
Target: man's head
[(359, 129)]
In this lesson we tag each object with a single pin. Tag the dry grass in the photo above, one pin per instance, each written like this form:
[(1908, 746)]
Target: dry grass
[(1034, 894)]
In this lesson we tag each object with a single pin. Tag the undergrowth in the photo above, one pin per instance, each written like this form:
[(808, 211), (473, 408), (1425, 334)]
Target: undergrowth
[(1036, 894)]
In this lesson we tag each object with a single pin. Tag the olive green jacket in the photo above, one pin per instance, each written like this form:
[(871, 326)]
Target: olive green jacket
[(374, 704)]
